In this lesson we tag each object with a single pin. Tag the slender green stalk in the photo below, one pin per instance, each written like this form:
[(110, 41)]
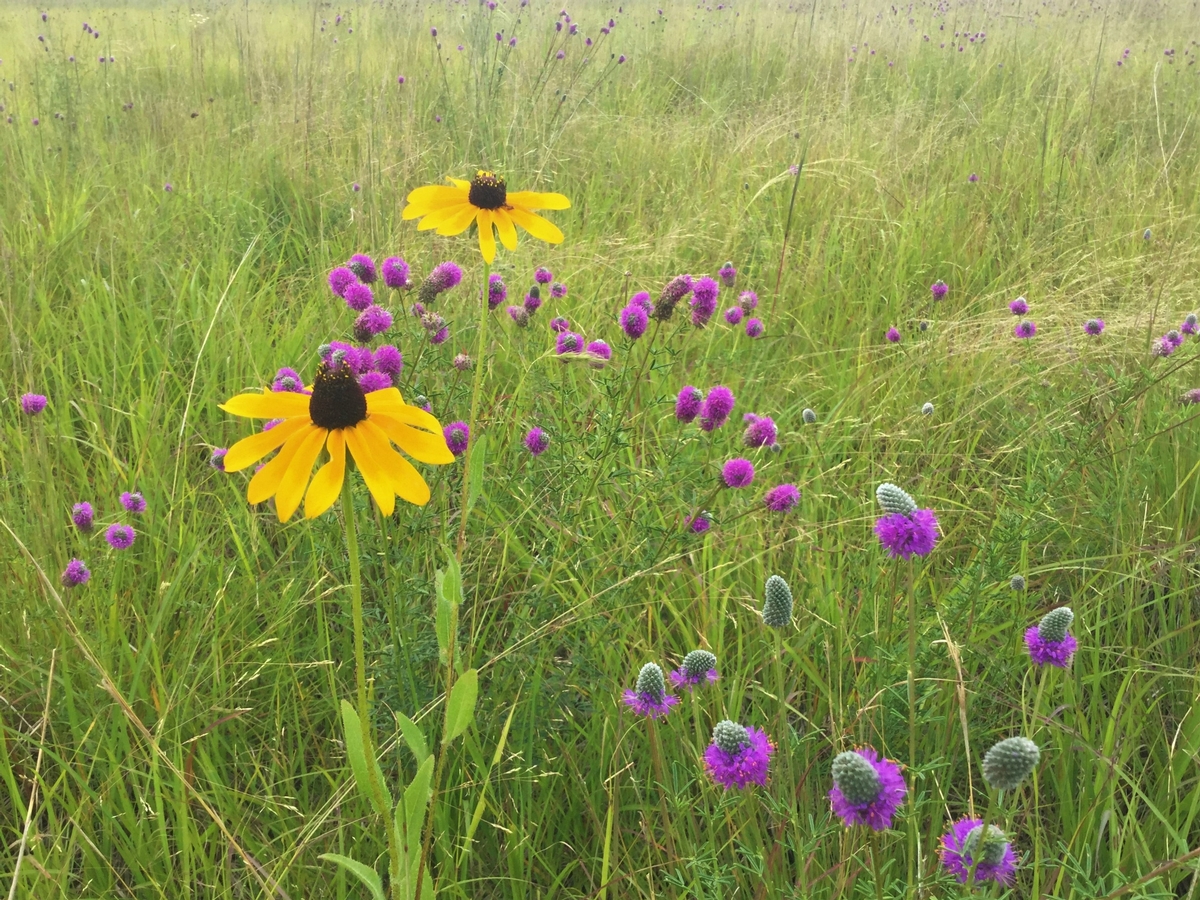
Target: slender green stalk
[(476, 390), (983, 830), (876, 871)]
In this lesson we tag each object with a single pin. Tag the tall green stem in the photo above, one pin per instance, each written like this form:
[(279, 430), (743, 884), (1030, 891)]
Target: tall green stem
[(912, 726), (983, 834), (476, 390)]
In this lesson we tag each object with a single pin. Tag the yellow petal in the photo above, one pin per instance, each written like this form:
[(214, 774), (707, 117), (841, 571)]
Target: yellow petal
[(299, 471), (535, 200), (388, 397), (434, 196), (250, 450), (327, 483), (413, 416), (373, 473), (458, 222), (436, 217), (487, 240), (420, 445), (460, 184), (540, 228), (405, 480), (267, 405), (266, 480), (504, 227)]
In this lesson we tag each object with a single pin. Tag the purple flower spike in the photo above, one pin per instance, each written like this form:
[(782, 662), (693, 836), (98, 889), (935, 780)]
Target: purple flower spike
[(754, 328), (634, 320), (120, 537), (704, 300), (1018, 307), (908, 536), (395, 270), (33, 404), (388, 360), (1026, 328), (601, 351), (893, 335), (374, 381), (288, 380), (533, 302), (688, 403), (558, 325), (558, 290), (715, 410), (537, 441), (497, 291), (761, 432), (75, 574), (747, 300), (133, 502), (642, 299), (741, 767), (782, 497), (738, 473), (957, 861), (358, 296), (700, 524), (543, 275), (939, 289), (364, 267), (1093, 327), (1050, 653), (458, 436), (728, 274), (217, 459), (734, 315), (876, 814), (373, 321), (568, 342), (341, 278), (83, 515)]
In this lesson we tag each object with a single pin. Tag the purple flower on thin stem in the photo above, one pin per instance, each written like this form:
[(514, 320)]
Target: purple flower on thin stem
[(217, 459), (699, 667), (893, 335), (876, 813), (83, 515), (1018, 307), (533, 302), (1191, 324), (1026, 328), (1094, 327), (341, 278), (704, 300), (782, 497), (939, 289), (1163, 346), (760, 432), (558, 325), (558, 290), (389, 360), (734, 315), (700, 523), (715, 410), (972, 178), (738, 473), (754, 328), (996, 863), (458, 436), (568, 342), (688, 403), (746, 765), (75, 574), (519, 315), (371, 322), (362, 266), (133, 502), (634, 320), (728, 274), (908, 536), (497, 291), (543, 275), (358, 296), (120, 537), (649, 695), (1050, 653), (395, 270), (601, 351), (747, 300), (33, 404), (537, 441)]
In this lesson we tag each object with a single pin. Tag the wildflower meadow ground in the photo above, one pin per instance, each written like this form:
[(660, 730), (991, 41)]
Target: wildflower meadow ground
[(515, 450)]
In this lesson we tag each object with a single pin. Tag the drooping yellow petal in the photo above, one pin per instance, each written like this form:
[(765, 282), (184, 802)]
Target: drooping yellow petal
[(267, 405), (250, 450), (405, 480), (409, 415), (387, 397), (487, 240), (373, 473), (504, 227), (536, 200), (436, 217), (266, 480), (299, 471), (327, 483), (420, 445), (460, 184), (459, 222), (434, 196), (540, 228)]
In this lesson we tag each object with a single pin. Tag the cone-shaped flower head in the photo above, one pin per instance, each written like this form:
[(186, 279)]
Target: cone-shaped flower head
[(856, 778), (649, 696), (737, 756), (650, 681), (698, 664), (1010, 762), (1055, 623), (809, 416), (1017, 582), (895, 500), (1050, 643), (867, 789), (730, 736), (777, 608), (992, 856)]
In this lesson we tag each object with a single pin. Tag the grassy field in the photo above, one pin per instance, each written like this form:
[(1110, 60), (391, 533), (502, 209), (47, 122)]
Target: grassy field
[(168, 217)]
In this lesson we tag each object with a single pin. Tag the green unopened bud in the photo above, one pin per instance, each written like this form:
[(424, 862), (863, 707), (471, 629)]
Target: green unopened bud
[(777, 609), (1055, 623), (730, 736), (856, 778), (698, 663), (535, 292), (1017, 582), (895, 500), (1010, 762), (650, 681), (989, 850)]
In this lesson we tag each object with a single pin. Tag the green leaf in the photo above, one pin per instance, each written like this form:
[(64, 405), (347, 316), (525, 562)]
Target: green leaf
[(475, 485), (358, 762), (460, 709), (413, 737), (365, 874), (443, 613), (410, 820)]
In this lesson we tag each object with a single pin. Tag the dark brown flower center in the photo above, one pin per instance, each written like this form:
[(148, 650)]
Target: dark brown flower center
[(337, 401), (487, 191)]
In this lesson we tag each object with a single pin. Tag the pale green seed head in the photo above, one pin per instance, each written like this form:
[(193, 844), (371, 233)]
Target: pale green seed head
[(895, 500), (698, 663), (730, 736), (1010, 762), (809, 416), (1017, 583), (1055, 623), (650, 681), (777, 609), (856, 778)]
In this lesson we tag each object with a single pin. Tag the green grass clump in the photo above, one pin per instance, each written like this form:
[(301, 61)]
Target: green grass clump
[(172, 728)]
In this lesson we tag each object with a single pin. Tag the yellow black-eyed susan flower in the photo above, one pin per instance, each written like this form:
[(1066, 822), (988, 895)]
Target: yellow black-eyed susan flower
[(484, 200)]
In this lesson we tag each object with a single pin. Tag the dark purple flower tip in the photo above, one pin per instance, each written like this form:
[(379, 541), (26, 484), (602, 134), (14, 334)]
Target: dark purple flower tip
[(461, 362), (939, 289), (1050, 653), (558, 290), (533, 302), (83, 515), (717, 406), (642, 299), (395, 269), (878, 813), (688, 403), (1163, 346), (761, 432), (1018, 307), (704, 300), (700, 524), (33, 404), (958, 863), (133, 502), (519, 314), (683, 681), (400, 79), (358, 296), (649, 705), (728, 274), (537, 441), (634, 320), (558, 325), (371, 322), (374, 381), (446, 275), (458, 435), (388, 360), (217, 459), (734, 315), (288, 380), (356, 187), (568, 342), (972, 177), (749, 765), (893, 335), (754, 328), (120, 537), (433, 32), (167, 187), (601, 351), (440, 336), (1094, 327), (363, 266), (341, 278), (1026, 328), (738, 473), (75, 574), (497, 291), (543, 275), (782, 497), (1190, 325), (908, 536)]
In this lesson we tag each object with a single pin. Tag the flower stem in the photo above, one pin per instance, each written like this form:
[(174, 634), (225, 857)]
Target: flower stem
[(476, 390), (875, 865), (983, 834)]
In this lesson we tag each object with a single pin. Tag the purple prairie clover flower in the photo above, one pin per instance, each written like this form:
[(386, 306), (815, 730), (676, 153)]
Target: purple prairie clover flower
[(1190, 397), (497, 291), (356, 187), (1162, 347), (737, 756), (972, 178), (893, 335), (363, 267), (374, 381), (688, 403), (700, 523), (782, 497), (1049, 641), (867, 790), (728, 274), (568, 342), (558, 325), (543, 275), (536, 441), (747, 300), (738, 473), (1174, 337), (443, 277), (341, 278), (760, 432), (133, 502), (601, 351), (1026, 328), (698, 667), (395, 270), (634, 321), (358, 296), (642, 299), (167, 187), (561, 54), (558, 290), (734, 315), (961, 844), (357, 358), (287, 379), (939, 289), (120, 537), (674, 291), (269, 424), (439, 336), (83, 516), (649, 695), (533, 301), (1191, 324), (458, 436), (1018, 307), (754, 328), (520, 315), (75, 574), (33, 404), (217, 458), (388, 360), (371, 322), (715, 409), (399, 79), (461, 362), (908, 535), (704, 300), (1094, 327)]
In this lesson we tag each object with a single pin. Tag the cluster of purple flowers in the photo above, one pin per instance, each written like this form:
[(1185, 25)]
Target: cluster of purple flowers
[(33, 404), (117, 535), (522, 315), (1168, 343), (352, 282), (375, 370)]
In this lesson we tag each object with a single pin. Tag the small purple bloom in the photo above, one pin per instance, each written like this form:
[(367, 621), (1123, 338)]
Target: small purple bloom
[(537, 441), (748, 765), (728, 274), (715, 410), (876, 814), (445, 276), (374, 381), (733, 315), (700, 524), (704, 300), (1026, 328), (1174, 337), (362, 266), (908, 536), (373, 321), (395, 270), (83, 515), (958, 862), (341, 278), (439, 336), (533, 302), (760, 432), (33, 404), (972, 177), (119, 537), (648, 705), (543, 275), (893, 335), (356, 187), (167, 187), (457, 435), (389, 360), (1094, 327), (688, 403), (738, 473), (782, 497), (642, 299), (568, 342), (133, 502), (1050, 653), (358, 296), (601, 350), (461, 362), (634, 321), (217, 459), (754, 328), (75, 574), (558, 325), (558, 290), (288, 380), (747, 300), (497, 291), (520, 315), (939, 289), (1191, 324), (1018, 307), (400, 79)]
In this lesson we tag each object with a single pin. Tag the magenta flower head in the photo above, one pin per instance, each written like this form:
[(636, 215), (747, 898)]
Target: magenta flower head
[(461, 362), (443, 277), (688, 403), (738, 473), (75, 574), (715, 410), (1018, 307), (568, 342), (558, 290), (1163, 346), (457, 435), (867, 789), (358, 296), (388, 360), (558, 325), (217, 458), (533, 300), (1174, 337), (674, 291), (754, 328), (543, 275), (893, 335), (33, 404), (760, 432), (965, 846), (1049, 642), (747, 300), (649, 696), (634, 320), (363, 267), (520, 315), (734, 315), (601, 352), (83, 516), (704, 300), (782, 497), (341, 278), (395, 273), (537, 441), (133, 502), (371, 322), (699, 667), (119, 537), (287, 379), (1094, 327), (497, 291), (737, 756), (1026, 328), (939, 289), (905, 531), (700, 523), (642, 299), (728, 274), (972, 178), (1191, 324), (374, 381)]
